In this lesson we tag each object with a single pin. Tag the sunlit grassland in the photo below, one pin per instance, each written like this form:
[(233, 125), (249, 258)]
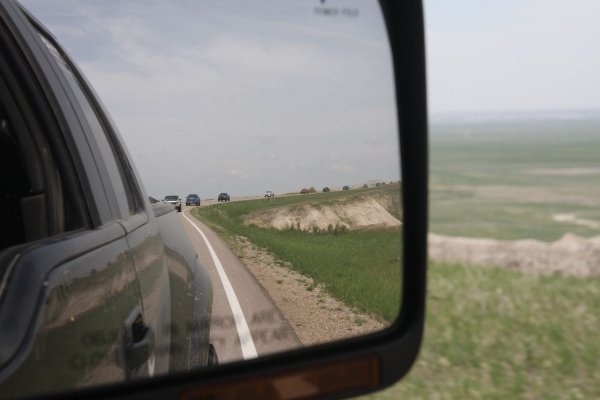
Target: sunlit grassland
[(361, 268), (498, 334), (507, 180), (492, 333)]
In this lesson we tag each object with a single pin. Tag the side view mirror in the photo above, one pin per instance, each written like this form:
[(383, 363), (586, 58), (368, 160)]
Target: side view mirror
[(122, 306), (364, 364)]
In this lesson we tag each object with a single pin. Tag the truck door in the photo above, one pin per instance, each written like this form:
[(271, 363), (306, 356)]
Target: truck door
[(128, 207), (70, 305)]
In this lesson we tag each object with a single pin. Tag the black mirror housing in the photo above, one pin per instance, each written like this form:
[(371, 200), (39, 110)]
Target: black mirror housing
[(358, 365), (353, 366)]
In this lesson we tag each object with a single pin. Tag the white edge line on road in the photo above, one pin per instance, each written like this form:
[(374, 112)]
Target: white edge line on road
[(246, 342)]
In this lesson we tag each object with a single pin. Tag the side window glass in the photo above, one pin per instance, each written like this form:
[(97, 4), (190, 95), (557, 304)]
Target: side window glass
[(124, 197)]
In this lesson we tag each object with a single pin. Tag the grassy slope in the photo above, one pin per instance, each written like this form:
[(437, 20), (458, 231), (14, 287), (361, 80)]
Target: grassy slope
[(497, 334), (493, 333), (361, 268), (466, 159)]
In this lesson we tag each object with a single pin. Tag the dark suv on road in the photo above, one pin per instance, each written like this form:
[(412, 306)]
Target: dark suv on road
[(192, 200), (223, 197)]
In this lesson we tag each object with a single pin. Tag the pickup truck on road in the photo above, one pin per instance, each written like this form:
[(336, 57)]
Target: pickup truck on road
[(97, 285)]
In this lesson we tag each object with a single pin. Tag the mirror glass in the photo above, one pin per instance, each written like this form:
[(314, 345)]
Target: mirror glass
[(273, 126)]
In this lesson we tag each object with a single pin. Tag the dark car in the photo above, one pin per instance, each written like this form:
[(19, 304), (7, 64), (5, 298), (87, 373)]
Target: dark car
[(346, 188), (174, 200), (223, 197), (304, 191), (326, 189), (192, 200), (365, 186)]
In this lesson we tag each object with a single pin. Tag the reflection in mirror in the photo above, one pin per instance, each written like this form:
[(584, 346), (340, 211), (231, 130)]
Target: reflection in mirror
[(273, 128)]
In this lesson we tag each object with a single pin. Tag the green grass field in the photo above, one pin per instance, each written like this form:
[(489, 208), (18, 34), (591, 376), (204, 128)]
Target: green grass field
[(361, 268), (498, 334), (493, 333), (506, 180)]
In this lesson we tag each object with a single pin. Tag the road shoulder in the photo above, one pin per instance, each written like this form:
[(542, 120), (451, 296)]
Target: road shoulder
[(315, 316)]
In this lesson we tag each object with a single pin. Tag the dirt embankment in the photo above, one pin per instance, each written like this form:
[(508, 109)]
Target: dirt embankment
[(315, 315), (363, 213), (571, 255)]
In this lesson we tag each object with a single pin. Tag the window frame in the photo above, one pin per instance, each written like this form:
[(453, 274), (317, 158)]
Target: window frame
[(48, 162), (114, 183), (95, 180)]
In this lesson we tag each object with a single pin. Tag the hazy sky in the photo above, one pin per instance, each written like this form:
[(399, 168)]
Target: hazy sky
[(513, 55), (220, 96)]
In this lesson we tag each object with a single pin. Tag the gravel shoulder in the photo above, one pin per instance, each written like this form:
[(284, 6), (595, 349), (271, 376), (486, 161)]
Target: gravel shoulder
[(315, 316)]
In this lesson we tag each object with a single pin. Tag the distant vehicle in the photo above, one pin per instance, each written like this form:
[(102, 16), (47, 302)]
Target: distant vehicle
[(192, 199), (174, 200), (304, 191), (269, 193), (365, 186), (223, 197), (346, 188), (326, 189)]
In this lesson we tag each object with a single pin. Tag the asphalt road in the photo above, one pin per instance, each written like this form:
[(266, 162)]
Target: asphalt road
[(246, 323)]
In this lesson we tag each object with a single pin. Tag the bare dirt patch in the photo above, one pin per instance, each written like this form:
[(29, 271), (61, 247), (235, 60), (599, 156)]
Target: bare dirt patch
[(563, 171), (315, 316), (572, 218), (361, 214), (521, 194), (571, 255)]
